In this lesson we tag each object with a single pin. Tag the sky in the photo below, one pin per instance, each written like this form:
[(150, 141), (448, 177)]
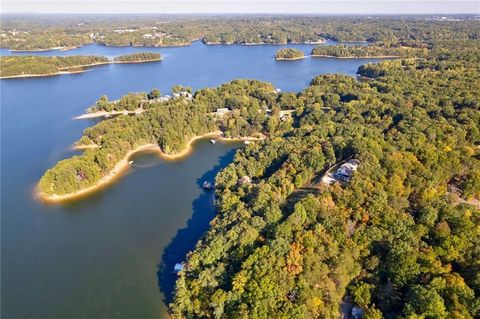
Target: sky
[(245, 6)]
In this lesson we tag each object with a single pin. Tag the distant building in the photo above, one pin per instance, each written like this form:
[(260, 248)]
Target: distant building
[(244, 180), (222, 111), (164, 98), (147, 36), (184, 94)]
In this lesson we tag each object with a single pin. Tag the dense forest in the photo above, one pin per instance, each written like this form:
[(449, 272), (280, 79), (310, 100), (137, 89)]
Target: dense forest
[(44, 32), (138, 57), (401, 239), (343, 51), (41, 65), (289, 54)]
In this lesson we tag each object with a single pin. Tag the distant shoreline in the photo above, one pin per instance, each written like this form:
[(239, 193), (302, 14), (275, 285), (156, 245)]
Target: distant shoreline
[(123, 164), (355, 57), (265, 43), (340, 57), (46, 50), (80, 67), (174, 45)]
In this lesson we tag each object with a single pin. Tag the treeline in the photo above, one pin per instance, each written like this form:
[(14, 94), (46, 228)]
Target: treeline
[(139, 57), (343, 51), (129, 102), (41, 65), (395, 241), (42, 32), (289, 54), (43, 39)]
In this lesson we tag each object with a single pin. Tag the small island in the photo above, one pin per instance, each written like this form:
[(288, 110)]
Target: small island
[(35, 66), (141, 57), (289, 54)]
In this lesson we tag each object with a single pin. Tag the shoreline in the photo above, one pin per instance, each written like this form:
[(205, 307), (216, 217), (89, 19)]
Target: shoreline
[(184, 44), (115, 172), (356, 57), (46, 50), (84, 147), (123, 165), (340, 57), (73, 71), (265, 43), (292, 59), (135, 62), (104, 113), (40, 75)]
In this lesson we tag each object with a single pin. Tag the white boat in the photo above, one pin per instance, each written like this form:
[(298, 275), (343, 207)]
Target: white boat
[(213, 141), (178, 268), (131, 162), (207, 185)]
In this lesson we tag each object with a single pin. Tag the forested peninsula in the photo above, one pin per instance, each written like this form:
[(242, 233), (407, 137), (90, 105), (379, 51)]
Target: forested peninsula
[(400, 239), (370, 51), (32, 66)]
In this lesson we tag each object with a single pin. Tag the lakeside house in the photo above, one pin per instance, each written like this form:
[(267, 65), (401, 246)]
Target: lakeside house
[(184, 94), (286, 115), (345, 171)]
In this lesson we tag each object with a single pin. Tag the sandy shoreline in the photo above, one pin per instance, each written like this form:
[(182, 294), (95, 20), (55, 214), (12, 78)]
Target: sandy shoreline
[(104, 113), (117, 170), (123, 165), (292, 59)]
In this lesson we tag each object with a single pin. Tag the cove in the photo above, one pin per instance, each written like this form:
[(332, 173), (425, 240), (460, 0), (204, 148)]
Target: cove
[(110, 255)]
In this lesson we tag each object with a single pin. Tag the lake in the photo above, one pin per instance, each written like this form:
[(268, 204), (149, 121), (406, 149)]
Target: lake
[(99, 257)]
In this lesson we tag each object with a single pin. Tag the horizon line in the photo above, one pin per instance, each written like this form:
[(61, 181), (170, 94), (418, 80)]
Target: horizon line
[(328, 7), (247, 13)]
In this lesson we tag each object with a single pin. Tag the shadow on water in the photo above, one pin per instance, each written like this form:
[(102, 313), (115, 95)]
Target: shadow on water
[(185, 239)]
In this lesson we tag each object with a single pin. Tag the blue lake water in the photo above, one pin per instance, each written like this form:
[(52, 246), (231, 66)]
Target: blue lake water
[(99, 257)]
